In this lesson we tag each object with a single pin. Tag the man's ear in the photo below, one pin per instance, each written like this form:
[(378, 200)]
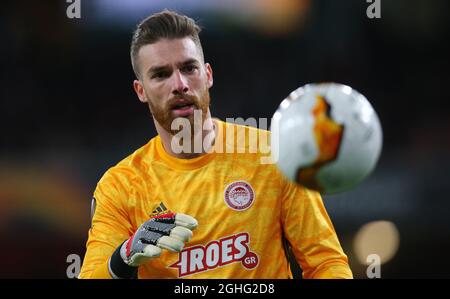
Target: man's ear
[(209, 75), (139, 89)]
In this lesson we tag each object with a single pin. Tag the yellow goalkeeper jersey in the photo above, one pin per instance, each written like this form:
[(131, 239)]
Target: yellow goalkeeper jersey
[(245, 210)]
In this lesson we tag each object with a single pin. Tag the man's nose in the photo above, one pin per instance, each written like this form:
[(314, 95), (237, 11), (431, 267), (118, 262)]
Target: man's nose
[(180, 84)]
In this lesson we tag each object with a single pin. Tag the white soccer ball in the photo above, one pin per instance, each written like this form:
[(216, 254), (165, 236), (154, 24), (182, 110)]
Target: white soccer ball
[(326, 137)]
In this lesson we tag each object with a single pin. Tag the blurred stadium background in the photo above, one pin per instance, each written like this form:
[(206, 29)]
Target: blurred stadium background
[(68, 112)]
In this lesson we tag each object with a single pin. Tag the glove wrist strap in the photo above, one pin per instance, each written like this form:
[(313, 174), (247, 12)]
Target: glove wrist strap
[(118, 268)]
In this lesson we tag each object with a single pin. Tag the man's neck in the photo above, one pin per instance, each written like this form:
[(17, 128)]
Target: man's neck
[(204, 137)]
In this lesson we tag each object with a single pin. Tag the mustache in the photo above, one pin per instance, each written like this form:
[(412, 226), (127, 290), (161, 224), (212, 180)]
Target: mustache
[(182, 100)]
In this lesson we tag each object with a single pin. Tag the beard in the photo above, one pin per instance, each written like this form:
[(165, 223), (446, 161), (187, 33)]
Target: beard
[(163, 114)]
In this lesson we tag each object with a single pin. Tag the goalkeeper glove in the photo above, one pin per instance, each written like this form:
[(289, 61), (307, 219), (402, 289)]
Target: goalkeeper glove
[(168, 231)]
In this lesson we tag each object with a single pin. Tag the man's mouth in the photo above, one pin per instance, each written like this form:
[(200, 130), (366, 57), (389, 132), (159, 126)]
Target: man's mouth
[(183, 109)]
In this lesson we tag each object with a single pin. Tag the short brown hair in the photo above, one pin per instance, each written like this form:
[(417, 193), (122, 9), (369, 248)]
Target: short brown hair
[(166, 24)]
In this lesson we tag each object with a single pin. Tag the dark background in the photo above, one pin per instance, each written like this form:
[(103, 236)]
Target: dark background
[(68, 112)]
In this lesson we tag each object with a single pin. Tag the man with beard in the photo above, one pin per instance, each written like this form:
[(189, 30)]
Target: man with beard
[(246, 215)]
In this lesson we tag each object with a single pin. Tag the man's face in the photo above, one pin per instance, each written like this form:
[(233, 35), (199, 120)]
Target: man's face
[(174, 80)]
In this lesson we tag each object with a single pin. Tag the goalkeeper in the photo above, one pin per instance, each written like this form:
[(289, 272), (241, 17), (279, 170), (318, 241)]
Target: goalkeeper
[(163, 212)]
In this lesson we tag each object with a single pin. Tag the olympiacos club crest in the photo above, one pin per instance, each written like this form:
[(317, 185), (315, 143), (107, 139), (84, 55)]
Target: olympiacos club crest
[(239, 195)]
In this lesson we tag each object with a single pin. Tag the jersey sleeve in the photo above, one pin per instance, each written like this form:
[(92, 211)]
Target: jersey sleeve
[(312, 237), (110, 225)]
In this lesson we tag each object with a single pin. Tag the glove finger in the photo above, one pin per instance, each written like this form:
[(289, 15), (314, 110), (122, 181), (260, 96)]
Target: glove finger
[(181, 233), (170, 244), (152, 251), (149, 252), (186, 221)]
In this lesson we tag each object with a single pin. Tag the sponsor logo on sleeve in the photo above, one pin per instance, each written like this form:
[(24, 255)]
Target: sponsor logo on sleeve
[(93, 207)]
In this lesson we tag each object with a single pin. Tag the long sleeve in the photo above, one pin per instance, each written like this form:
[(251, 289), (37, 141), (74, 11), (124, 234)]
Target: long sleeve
[(110, 226), (311, 234)]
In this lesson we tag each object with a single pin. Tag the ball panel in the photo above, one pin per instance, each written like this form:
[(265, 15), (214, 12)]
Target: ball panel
[(329, 135)]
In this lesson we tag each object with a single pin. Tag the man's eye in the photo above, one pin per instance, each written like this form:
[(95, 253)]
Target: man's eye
[(160, 75), (189, 68)]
